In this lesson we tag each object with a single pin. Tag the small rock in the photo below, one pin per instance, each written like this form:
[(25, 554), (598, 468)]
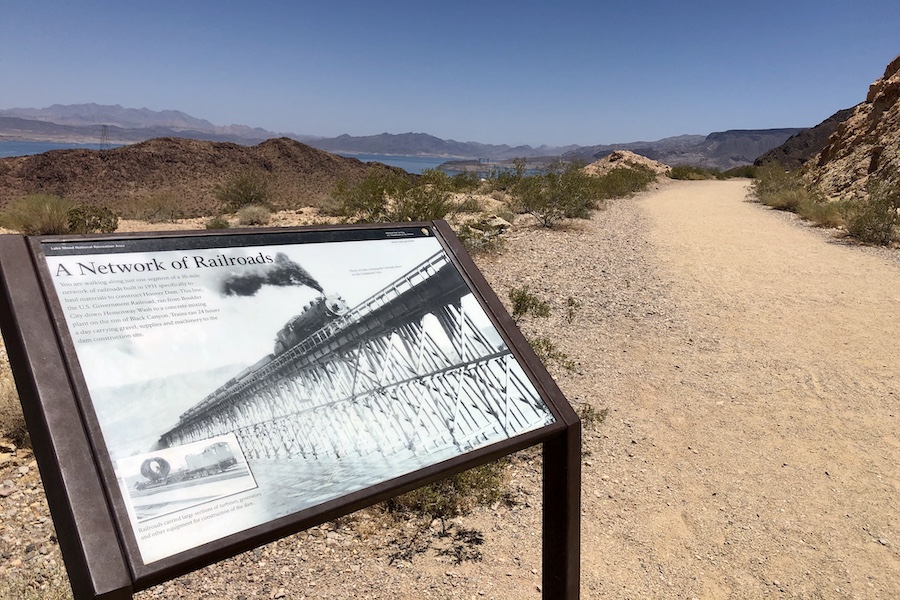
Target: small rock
[(23, 470), (7, 488)]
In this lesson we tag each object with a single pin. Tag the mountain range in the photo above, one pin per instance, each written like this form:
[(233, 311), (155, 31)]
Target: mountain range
[(94, 123)]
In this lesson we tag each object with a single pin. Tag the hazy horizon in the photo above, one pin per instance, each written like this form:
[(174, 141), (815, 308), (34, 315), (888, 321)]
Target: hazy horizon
[(500, 73)]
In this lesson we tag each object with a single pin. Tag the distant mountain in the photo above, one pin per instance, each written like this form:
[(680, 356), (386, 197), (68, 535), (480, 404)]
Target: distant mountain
[(82, 123), (423, 144), (806, 144), (721, 150)]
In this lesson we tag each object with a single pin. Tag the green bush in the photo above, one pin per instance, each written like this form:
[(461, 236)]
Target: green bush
[(566, 191), (524, 303), (457, 495), (250, 187), (85, 218), (218, 222), (39, 214), (386, 195), (503, 179), (875, 219), (558, 192), (468, 181), (747, 171), (691, 172), (254, 215), (624, 181)]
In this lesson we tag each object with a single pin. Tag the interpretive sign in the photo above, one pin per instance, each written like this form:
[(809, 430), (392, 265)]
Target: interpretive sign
[(230, 389)]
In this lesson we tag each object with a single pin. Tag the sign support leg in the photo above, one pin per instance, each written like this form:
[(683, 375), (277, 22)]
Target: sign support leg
[(561, 547)]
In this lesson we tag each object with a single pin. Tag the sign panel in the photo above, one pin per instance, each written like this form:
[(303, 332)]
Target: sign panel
[(239, 379)]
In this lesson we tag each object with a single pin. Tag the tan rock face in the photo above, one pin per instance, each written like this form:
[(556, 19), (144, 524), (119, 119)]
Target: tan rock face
[(865, 146), (622, 158)]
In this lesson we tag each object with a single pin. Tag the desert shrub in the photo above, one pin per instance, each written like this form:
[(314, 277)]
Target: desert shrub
[(12, 422), (218, 222), (748, 171), (420, 203), (249, 187), (558, 192), (253, 214), (591, 418), (386, 195), (84, 218), (470, 204), (786, 190), (525, 303), (457, 495), (623, 181), (778, 188), (547, 351), (565, 191), (503, 179), (875, 218), (478, 238), (159, 208), (39, 214), (691, 172), (823, 213), (467, 181)]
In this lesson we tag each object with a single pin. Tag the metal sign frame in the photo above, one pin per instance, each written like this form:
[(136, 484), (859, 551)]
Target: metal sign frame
[(95, 521)]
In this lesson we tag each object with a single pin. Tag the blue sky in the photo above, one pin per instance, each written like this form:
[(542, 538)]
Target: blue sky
[(495, 72)]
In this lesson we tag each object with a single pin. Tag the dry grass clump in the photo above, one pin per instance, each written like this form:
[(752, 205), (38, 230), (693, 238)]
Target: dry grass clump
[(12, 422), (38, 214), (160, 207), (253, 214), (786, 190)]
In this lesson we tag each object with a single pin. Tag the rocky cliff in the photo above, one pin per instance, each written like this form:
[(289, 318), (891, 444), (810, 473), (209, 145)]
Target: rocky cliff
[(807, 144), (865, 146)]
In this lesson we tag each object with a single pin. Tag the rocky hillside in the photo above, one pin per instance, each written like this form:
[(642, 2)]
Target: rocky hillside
[(807, 144), (867, 144), (188, 170)]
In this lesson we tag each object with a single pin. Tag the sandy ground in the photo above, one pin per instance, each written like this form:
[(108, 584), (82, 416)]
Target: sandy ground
[(750, 449)]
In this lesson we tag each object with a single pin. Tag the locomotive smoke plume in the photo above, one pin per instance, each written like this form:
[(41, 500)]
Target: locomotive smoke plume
[(283, 273)]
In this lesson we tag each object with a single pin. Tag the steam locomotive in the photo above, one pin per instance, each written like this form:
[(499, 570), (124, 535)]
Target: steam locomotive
[(315, 315)]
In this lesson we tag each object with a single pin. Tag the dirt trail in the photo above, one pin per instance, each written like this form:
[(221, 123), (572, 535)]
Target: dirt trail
[(761, 430)]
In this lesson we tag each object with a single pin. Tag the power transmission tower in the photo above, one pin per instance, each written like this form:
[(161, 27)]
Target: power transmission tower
[(104, 137)]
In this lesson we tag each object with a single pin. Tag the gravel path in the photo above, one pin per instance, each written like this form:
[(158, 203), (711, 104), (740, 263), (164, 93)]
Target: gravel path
[(750, 447)]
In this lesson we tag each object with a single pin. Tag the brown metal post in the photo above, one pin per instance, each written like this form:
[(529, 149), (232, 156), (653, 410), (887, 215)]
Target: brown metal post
[(562, 515), (84, 525)]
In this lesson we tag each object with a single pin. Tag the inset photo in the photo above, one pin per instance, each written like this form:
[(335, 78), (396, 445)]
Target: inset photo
[(174, 479)]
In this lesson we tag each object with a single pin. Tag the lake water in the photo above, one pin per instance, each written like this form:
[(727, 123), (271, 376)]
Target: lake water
[(411, 164), (8, 149)]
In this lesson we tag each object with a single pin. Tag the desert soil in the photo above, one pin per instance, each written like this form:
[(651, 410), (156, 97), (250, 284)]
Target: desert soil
[(750, 449)]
